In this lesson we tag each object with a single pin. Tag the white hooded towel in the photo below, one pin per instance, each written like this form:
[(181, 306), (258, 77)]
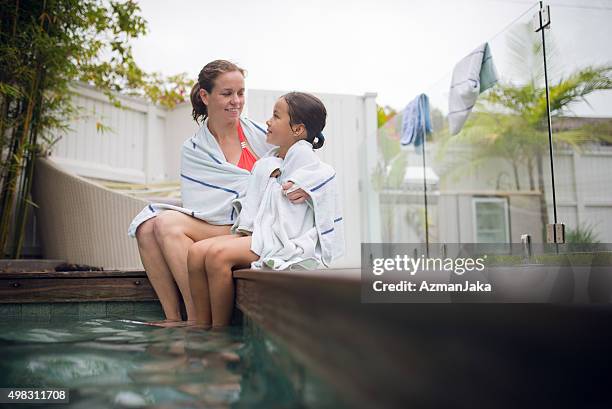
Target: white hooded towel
[(309, 234)]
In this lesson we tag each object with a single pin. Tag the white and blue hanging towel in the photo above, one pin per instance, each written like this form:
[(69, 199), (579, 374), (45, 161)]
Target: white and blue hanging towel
[(209, 183), (474, 74), (416, 122), (284, 234)]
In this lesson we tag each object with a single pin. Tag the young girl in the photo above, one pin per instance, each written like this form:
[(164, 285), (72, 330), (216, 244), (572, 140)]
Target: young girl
[(271, 231)]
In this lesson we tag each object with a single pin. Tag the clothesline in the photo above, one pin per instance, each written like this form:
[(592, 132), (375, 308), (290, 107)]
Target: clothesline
[(449, 73)]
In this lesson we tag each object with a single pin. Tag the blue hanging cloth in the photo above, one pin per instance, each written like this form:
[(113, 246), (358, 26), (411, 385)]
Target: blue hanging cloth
[(416, 122)]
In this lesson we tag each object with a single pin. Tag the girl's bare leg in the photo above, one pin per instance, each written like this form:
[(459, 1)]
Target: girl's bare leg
[(221, 257), (198, 279), (158, 271), (174, 232)]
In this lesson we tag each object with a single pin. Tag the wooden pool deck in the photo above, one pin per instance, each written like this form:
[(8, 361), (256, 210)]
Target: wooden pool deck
[(75, 286), (388, 355)]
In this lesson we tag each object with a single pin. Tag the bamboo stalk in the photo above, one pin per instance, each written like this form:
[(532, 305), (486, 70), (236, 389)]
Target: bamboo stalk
[(17, 165), (6, 163), (26, 181), (3, 122), (8, 184), (23, 159), (6, 99), (8, 166), (7, 176), (19, 233), (21, 202), (16, 18)]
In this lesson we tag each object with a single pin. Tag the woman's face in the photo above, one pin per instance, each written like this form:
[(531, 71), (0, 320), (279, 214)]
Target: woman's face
[(226, 100), (279, 131)]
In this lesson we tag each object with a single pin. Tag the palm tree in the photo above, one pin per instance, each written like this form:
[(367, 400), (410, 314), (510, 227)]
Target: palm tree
[(390, 171), (511, 120)]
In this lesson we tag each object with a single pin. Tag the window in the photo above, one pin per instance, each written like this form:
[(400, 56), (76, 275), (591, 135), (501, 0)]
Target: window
[(491, 220)]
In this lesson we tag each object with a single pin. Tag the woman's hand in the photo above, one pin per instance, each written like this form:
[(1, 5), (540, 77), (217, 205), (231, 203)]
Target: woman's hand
[(297, 196)]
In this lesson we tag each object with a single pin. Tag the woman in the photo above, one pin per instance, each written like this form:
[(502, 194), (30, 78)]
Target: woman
[(215, 167)]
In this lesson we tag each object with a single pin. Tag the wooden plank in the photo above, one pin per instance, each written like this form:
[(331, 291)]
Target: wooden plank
[(29, 290), (13, 265), (72, 274), (342, 276)]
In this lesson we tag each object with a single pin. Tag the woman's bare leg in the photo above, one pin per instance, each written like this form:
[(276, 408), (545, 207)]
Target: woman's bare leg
[(158, 271), (198, 279), (163, 262), (221, 257), (174, 233)]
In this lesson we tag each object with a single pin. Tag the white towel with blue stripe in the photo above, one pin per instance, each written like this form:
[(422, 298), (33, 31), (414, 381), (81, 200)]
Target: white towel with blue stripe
[(287, 235), (209, 183), (474, 74)]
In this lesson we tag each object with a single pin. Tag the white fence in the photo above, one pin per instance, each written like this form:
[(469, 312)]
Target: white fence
[(583, 186), (120, 144), (142, 145)]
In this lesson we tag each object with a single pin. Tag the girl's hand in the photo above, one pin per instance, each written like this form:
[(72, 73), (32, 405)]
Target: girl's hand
[(297, 196)]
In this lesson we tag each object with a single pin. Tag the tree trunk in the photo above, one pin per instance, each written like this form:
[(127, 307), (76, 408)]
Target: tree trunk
[(543, 207), (516, 176), (530, 169)]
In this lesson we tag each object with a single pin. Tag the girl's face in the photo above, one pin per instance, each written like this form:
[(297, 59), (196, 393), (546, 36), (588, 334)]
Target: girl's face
[(279, 130), (226, 100)]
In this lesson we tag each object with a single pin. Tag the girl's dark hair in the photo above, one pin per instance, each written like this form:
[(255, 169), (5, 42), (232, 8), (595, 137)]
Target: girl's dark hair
[(206, 80), (308, 110)]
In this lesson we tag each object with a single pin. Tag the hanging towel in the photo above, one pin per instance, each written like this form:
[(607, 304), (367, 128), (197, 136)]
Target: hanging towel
[(209, 183), (416, 121), (474, 74), (308, 234)]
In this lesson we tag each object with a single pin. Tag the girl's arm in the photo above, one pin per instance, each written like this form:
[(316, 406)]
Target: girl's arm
[(297, 196)]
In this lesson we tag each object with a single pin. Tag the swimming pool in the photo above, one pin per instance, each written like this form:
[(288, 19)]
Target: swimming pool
[(115, 362), (371, 355)]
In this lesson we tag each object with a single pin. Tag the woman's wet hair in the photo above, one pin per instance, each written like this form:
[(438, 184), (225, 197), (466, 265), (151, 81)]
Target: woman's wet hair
[(308, 110), (206, 81)]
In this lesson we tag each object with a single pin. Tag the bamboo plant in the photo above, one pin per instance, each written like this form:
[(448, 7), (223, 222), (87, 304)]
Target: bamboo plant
[(45, 46)]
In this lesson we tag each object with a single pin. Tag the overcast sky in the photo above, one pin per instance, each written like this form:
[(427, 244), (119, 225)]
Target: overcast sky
[(394, 48)]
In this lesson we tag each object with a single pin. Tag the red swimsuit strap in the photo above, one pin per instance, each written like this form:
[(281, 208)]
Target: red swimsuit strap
[(241, 135), (247, 159)]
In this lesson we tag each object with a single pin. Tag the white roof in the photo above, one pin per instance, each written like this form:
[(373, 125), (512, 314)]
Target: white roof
[(414, 174)]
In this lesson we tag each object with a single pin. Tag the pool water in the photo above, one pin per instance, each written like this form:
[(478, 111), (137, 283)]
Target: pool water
[(114, 362)]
